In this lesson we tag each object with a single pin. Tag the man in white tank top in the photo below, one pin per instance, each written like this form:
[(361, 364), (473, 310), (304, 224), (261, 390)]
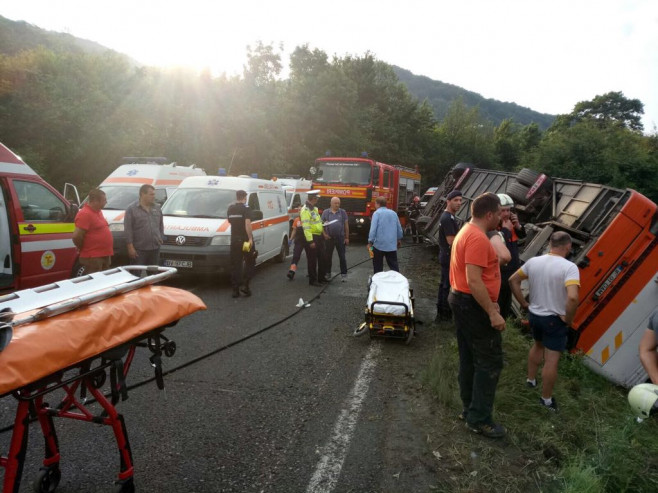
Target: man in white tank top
[(554, 282)]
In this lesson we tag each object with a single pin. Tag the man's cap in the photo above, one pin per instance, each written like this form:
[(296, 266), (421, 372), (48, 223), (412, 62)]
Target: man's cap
[(313, 193), (454, 194)]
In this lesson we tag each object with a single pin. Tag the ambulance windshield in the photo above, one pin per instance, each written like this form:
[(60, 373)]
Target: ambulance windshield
[(199, 202), (119, 198)]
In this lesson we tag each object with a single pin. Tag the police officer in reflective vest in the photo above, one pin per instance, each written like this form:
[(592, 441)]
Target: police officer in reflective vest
[(239, 215), (314, 247)]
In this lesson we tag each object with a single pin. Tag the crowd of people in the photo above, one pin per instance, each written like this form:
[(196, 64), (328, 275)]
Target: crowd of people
[(480, 272)]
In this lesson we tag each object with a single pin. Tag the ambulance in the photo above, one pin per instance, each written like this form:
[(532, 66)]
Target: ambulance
[(296, 189), (197, 231), (427, 196), (122, 189), (36, 227)]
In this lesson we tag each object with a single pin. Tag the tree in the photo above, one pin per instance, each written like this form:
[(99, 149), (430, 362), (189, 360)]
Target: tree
[(610, 109)]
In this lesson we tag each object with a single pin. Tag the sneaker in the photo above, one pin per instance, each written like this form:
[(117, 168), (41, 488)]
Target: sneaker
[(314, 283), (531, 385), (343, 277), (551, 407), (489, 430), (245, 290), (291, 274), (323, 281)]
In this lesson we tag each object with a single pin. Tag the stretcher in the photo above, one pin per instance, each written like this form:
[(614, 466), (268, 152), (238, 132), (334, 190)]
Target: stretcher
[(389, 309), (68, 337)]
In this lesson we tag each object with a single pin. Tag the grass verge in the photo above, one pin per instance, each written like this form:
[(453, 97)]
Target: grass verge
[(594, 444)]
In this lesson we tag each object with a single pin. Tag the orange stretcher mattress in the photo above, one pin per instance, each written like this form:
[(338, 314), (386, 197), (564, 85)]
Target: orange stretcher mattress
[(42, 348)]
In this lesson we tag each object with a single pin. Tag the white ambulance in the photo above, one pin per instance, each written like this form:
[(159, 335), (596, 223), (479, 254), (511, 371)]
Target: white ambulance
[(198, 233), (296, 190), (427, 196), (122, 189), (36, 227)]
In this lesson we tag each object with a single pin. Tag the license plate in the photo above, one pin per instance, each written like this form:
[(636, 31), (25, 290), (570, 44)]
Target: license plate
[(178, 263)]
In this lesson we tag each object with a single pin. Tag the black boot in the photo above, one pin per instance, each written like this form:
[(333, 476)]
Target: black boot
[(245, 289)]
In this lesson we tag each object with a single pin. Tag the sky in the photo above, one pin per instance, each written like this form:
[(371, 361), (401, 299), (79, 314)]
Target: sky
[(546, 55)]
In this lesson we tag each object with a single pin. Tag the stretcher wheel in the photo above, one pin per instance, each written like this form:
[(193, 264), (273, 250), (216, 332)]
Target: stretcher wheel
[(410, 336), (98, 380), (169, 349), (47, 479), (125, 486)]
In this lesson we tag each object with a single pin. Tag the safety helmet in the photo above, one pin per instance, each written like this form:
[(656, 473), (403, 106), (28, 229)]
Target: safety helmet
[(643, 399), (505, 200), (416, 198)]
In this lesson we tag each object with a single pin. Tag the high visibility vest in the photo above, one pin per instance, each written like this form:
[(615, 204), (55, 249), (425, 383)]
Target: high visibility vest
[(311, 222)]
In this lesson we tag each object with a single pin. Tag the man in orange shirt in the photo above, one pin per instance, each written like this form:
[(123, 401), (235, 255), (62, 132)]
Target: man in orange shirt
[(92, 235), (474, 287)]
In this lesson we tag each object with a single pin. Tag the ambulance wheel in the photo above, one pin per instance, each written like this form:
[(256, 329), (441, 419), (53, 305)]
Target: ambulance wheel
[(78, 269), (283, 253), (47, 479)]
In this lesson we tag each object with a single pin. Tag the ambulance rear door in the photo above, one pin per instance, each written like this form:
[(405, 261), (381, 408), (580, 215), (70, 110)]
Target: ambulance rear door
[(45, 253)]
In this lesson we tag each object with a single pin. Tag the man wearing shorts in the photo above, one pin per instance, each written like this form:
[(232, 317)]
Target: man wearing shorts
[(554, 283)]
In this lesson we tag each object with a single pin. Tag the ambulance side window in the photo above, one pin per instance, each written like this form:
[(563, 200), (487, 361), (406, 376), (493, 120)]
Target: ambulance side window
[(160, 196), (297, 201), (253, 203), (38, 203)]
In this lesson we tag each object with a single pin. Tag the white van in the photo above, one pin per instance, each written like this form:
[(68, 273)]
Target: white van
[(427, 196), (122, 189), (198, 233), (296, 190)]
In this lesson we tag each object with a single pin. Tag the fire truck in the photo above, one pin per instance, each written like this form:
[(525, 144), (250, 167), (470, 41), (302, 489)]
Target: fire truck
[(614, 236), (358, 181)]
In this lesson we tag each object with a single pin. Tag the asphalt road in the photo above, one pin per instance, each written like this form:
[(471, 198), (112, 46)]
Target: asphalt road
[(302, 406)]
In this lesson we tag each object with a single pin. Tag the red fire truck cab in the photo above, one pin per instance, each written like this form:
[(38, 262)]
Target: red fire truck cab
[(359, 181)]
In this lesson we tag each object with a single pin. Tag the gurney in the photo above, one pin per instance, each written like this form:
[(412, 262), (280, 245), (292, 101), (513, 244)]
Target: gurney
[(70, 336), (390, 307)]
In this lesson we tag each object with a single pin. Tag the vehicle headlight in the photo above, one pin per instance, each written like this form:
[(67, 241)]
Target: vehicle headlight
[(221, 240), (116, 227)]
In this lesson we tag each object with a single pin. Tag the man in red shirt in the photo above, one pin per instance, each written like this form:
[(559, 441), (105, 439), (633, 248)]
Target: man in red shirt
[(474, 287), (92, 235)]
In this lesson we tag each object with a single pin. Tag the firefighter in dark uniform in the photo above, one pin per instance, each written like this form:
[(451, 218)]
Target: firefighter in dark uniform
[(414, 213), (239, 215)]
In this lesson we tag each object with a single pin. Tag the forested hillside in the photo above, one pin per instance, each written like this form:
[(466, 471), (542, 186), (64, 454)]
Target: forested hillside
[(73, 114), (441, 95)]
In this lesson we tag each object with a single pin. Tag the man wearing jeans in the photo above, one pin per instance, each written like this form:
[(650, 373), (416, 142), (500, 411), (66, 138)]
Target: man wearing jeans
[(384, 237), (336, 234), (474, 287), (144, 228), (554, 284)]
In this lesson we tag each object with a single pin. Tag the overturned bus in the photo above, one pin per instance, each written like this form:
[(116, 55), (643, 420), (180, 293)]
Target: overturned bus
[(614, 245)]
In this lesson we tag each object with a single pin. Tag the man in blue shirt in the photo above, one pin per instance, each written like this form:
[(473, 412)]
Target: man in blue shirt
[(385, 237)]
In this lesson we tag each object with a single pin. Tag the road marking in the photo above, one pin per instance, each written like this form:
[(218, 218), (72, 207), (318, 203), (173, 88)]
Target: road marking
[(333, 454)]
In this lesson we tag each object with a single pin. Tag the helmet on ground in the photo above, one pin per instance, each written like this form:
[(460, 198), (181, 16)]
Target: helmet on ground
[(505, 200), (643, 399)]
